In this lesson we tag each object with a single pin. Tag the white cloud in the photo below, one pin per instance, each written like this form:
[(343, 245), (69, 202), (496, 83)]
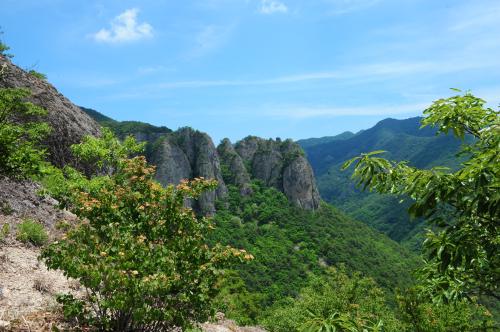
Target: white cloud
[(305, 112), (361, 73), (474, 17), (147, 70), (124, 28), (272, 6)]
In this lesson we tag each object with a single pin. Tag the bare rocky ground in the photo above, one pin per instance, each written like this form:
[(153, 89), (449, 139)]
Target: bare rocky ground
[(27, 288)]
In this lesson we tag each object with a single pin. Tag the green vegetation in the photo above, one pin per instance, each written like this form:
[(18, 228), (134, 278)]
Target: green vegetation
[(4, 232), (21, 133), (37, 74), (30, 231), (288, 243), (421, 315), (6, 209), (139, 253), (462, 256), (402, 140), (335, 301), (141, 131), (310, 142), (4, 48), (338, 301)]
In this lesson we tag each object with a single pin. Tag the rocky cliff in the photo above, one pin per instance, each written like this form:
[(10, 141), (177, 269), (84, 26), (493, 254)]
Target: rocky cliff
[(233, 167), (69, 124), (279, 164), (185, 154), (188, 153)]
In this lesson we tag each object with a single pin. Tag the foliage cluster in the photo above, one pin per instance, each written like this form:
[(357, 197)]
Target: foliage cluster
[(31, 231), (141, 130), (462, 257), (37, 74), (338, 301), (4, 48), (21, 133), (335, 301), (5, 208), (4, 232)]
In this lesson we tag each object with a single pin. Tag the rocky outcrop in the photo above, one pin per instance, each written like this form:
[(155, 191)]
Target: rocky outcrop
[(69, 124), (279, 164), (233, 168), (299, 184), (183, 154), (186, 154)]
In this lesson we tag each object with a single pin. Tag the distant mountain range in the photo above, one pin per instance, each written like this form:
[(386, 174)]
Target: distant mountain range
[(403, 140)]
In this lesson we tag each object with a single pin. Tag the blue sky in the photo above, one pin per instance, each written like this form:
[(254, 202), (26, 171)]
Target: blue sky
[(272, 68)]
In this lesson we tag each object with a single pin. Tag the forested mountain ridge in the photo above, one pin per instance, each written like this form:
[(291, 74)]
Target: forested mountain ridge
[(310, 142), (403, 140)]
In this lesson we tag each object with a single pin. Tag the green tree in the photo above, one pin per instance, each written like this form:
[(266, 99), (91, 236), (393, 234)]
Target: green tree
[(138, 251), (335, 302), (21, 133), (37, 74), (420, 315), (462, 256), (4, 48)]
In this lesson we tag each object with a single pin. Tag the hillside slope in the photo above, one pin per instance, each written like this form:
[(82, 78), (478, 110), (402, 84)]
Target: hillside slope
[(403, 140), (69, 123), (289, 243)]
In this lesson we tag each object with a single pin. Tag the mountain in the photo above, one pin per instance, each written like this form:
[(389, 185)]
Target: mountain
[(403, 140), (188, 153), (69, 123), (310, 142), (278, 164), (267, 202)]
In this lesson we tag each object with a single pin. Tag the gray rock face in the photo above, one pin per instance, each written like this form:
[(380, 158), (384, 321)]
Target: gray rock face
[(69, 123), (233, 168), (172, 164), (187, 154), (299, 184), (280, 164)]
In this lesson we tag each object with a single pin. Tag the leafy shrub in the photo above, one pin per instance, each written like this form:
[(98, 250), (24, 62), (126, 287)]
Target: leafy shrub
[(464, 205), (138, 251), (32, 231), (422, 315), (5, 208), (21, 132), (4, 48), (37, 74), (335, 302), (4, 231)]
